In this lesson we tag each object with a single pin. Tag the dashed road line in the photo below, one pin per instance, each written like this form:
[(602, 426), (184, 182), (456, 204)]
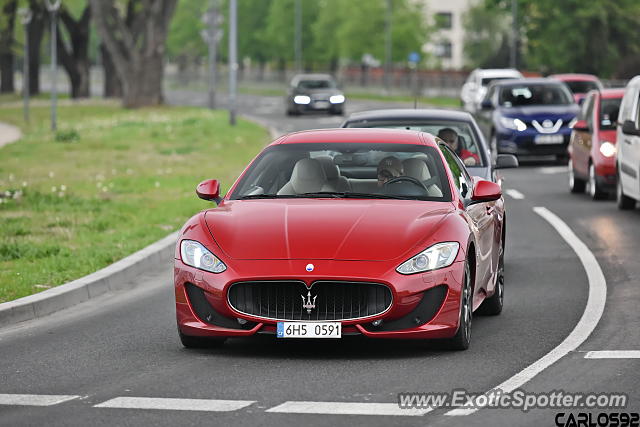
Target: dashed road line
[(613, 354), (209, 405), (347, 408), (34, 399), (514, 194), (587, 323)]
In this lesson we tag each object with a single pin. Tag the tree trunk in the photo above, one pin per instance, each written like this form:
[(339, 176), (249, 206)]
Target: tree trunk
[(74, 55), (36, 31), (112, 84), (136, 44), (6, 46)]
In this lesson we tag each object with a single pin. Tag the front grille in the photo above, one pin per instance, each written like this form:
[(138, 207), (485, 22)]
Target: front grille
[(283, 300)]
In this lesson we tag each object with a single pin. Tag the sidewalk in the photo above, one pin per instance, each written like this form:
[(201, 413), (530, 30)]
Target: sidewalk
[(8, 134)]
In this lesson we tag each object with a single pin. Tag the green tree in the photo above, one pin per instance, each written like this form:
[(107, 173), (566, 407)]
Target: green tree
[(486, 37)]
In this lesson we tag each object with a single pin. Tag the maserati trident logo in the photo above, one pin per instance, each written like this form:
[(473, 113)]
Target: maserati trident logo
[(309, 267), (308, 303)]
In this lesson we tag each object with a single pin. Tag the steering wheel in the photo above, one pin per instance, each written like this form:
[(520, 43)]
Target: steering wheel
[(410, 179)]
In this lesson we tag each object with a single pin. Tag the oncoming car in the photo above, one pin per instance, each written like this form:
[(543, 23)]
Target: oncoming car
[(314, 92), (373, 232)]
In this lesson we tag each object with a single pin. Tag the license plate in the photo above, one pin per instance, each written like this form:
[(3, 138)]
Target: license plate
[(309, 330), (549, 139), (321, 104)]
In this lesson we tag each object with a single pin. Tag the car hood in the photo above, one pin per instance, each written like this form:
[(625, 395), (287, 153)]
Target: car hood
[(541, 112), (334, 229)]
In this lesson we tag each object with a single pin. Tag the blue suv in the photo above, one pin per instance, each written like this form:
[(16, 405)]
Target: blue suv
[(530, 118)]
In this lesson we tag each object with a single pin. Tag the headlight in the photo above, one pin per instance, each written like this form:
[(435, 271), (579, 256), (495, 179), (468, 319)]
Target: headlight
[(196, 255), (437, 256), (607, 149), (301, 99), (511, 123), (336, 99)]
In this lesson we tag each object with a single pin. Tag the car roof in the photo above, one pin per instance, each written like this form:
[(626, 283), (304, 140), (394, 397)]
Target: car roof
[(496, 72), (526, 80), (358, 135), (411, 114), (575, 77), (299, 77), (612, 93)]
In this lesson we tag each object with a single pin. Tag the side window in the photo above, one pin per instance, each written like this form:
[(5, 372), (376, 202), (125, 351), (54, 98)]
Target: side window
[(637, 116), (588, 111), (461, 179)]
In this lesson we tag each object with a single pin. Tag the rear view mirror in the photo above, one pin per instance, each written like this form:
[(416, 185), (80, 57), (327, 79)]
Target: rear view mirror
[(209, 190), (581, 125), (485, 191), (506, 161), (629, 128), (486, 104)]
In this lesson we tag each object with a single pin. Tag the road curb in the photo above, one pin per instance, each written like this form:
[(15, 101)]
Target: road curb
[(117, 276)]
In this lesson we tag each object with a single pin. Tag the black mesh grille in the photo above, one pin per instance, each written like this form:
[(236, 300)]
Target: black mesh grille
[(284, 300)]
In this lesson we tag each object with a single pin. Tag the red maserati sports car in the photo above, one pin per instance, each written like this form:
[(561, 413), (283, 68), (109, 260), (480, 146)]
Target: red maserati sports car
[(377, 232)]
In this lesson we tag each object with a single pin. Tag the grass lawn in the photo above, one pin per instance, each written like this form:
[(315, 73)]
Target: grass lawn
[(110, 182)]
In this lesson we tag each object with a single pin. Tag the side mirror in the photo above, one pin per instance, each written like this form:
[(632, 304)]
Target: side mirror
[(629, 128), (506, 161), (209, 190), (485, 191), (581, 125), (486, 104)]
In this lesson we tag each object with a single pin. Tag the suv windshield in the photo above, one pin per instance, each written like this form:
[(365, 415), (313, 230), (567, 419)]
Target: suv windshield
[(346, 170), (609, 109), (578, 86), (534, 94), (316, 84), (467, 140)]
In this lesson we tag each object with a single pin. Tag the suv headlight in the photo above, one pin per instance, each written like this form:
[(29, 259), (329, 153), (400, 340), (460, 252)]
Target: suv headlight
[(196, 255), (434, 257), (512, 123)]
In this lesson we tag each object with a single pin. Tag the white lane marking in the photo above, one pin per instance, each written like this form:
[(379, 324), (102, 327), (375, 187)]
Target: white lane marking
[(514, 194), (34, 399), (552, 170), (587, 323), (210, 405), (613, 354), (347, 408)]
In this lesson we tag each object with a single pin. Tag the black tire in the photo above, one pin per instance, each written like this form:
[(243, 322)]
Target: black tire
[(623, 202), (462, 338), (576, 185), (594, 188), (493, 305), (200, 342)]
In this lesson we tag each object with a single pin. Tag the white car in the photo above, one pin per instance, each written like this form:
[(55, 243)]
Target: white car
[(628, 143), (475, 88)]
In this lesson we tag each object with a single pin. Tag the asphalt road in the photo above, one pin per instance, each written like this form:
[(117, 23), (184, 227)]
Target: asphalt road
[(125, 345)]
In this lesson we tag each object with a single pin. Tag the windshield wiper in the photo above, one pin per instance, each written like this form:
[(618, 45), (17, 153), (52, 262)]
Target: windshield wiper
[(265, 196), (351, 195)]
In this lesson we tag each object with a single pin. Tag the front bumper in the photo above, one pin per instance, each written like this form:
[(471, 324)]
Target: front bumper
[(425, 305), (523, 144)]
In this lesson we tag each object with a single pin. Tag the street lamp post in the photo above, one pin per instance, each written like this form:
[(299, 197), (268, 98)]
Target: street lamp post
[(26, 16), (513, 57), (212, 35), (298, 35), (388, 22), (53, 8), (233, 59)]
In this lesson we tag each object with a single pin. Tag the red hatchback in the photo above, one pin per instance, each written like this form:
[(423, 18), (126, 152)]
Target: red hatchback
[(373, 232), (592, 149)]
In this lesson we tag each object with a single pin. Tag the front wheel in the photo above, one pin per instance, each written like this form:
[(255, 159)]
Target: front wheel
[(595, 190), (576, 185), (462, 338), (624, 202)]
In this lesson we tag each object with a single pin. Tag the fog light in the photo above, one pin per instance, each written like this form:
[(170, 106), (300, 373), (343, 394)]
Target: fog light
[(377, 322), (241, 321)]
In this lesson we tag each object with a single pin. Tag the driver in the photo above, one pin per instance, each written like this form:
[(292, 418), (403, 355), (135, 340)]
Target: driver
[(388, 168), (450, 136)]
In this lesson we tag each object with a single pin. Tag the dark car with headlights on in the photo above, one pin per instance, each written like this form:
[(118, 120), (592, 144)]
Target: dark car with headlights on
[(314, 92), (529, 118)]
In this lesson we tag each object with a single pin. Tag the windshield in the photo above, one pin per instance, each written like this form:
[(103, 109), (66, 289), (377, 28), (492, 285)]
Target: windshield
[(577, 86), (316, 84), (534, 94), (344, 170), (609, 109), (459, 135)]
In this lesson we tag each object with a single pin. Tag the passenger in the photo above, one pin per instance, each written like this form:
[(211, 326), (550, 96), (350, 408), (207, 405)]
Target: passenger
[(390, 167), (450, 136)]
